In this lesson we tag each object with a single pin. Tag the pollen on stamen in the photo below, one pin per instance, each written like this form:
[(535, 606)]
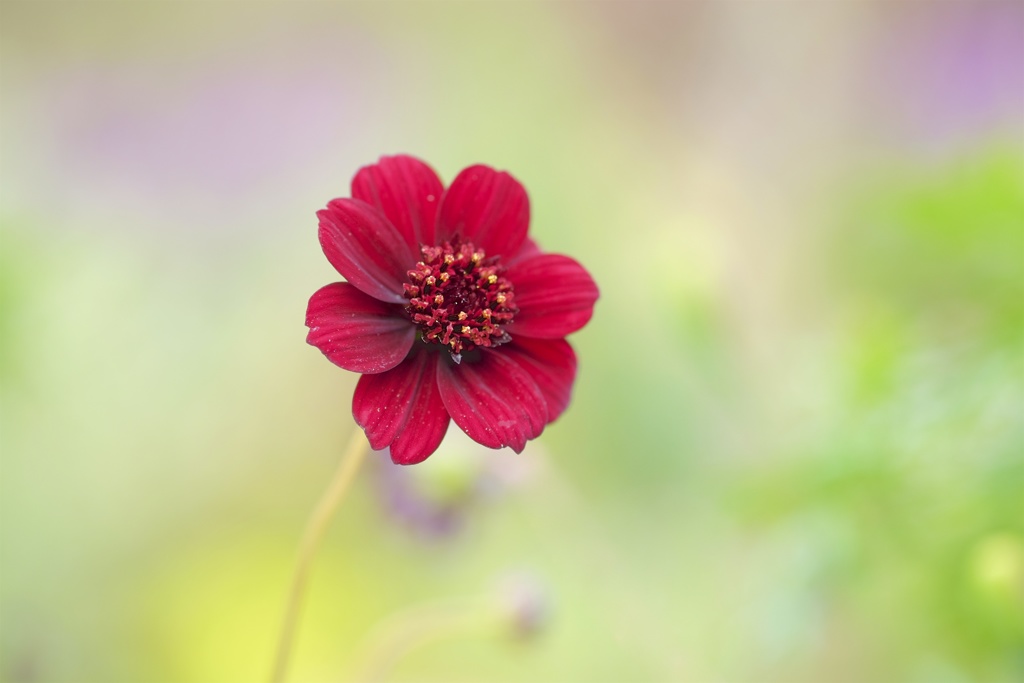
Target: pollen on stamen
[(457, 282)]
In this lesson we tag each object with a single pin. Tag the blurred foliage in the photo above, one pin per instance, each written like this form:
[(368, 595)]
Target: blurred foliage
[(939, 248), (915, 470)]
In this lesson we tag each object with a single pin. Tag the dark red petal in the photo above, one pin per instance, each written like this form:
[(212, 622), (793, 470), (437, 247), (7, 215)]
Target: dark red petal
[(494, 400), (356, 331), (552, 364), (402, 408), (527, 250), (365, 248), (555, 296), (406, 191), (486, 207)]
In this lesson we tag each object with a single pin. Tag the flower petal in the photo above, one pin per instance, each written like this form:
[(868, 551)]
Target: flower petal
[(402, 408), (406, 191), (528, 249), (552, 364), (555, 295), (493, 399), (486, 207), (365, 248), (356, 331)]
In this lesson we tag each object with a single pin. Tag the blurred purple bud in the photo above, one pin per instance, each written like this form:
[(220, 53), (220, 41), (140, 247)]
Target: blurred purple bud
[(525, 604)]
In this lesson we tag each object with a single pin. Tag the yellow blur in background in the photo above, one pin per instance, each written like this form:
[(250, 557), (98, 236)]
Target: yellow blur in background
[(796, 447)]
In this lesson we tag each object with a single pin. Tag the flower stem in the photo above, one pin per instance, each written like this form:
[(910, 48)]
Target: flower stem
[(315, 528), (417, 627)]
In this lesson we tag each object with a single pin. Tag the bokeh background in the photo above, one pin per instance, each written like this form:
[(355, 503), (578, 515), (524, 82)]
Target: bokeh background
[(796, 450)]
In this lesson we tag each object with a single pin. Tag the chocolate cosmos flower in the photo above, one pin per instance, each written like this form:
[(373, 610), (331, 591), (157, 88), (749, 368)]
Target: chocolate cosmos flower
[(449, 310)]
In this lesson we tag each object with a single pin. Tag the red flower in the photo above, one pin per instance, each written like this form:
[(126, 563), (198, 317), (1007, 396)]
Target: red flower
[(450, 311)]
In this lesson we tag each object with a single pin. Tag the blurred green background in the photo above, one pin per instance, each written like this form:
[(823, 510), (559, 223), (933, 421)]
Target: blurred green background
[(796, 450)]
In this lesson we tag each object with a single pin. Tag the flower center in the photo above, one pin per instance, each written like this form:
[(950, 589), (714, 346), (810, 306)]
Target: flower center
[(460, 298)]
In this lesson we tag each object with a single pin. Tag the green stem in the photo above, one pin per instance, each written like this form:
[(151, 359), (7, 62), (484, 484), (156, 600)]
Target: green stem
[(354, 455), (414, 628)]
